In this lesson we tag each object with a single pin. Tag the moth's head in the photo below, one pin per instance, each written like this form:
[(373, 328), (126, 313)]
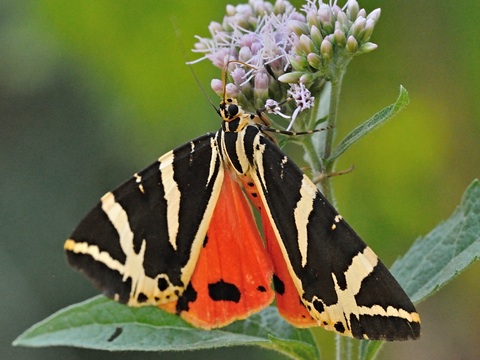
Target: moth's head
[(229, 109)]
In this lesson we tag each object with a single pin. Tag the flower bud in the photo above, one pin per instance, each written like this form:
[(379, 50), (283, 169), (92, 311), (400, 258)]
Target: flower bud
[(244, 54), (339, 37), (352, 10), (280, 7), (214, 28), (261, 86), (238, 75), (231, 90), (291, 77), (306, 79), (312, 19), (352, 45), (343, 20), (217, 86), (306, 44), (230, 10), (357, 27), (367, 33), (316, 36), (299, 63), (326, 50), (261, 81), (374, 15), (314, 60), (325, 16), (367, 47)]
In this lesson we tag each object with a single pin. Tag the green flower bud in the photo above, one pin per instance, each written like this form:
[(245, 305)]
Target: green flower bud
[(316, 36), (367, 47), (367, 33), (306, 44), (343, 20), (299, 63), (313, 20), (339, 37), (325, 16), (326, 50), (352, 45), (357, 27), (314, 60), (352, 10), (306, 79), (291, 77), (279, 7)]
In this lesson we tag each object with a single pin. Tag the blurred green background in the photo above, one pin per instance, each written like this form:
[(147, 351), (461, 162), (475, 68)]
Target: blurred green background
[(92, 91)]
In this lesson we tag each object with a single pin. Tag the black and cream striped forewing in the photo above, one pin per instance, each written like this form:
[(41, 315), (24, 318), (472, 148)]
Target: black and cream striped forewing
[(339, 279), (140, 244)]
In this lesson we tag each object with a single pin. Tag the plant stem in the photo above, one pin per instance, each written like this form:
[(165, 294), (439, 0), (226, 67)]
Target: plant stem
[(336, 84)]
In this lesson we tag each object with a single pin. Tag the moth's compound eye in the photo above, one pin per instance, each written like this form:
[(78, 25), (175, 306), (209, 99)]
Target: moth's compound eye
[(232, 110)]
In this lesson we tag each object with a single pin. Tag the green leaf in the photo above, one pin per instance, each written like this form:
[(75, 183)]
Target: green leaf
[(376, 120), (440, 256), (102, 324), (445, 252), (368, 350)]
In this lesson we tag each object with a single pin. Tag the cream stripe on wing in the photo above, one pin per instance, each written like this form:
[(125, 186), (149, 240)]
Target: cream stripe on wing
[(119, 219), (94, 251), (302, 213), (172, 197)]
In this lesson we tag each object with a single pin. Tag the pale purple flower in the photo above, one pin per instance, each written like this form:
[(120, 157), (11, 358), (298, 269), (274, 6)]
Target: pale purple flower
[(303, 100)]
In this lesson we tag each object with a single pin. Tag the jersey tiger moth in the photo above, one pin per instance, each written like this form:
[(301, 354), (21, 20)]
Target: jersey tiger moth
[(181, 235)]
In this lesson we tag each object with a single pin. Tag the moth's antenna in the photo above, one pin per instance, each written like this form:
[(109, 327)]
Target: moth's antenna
[(178, 34), (224, 80)]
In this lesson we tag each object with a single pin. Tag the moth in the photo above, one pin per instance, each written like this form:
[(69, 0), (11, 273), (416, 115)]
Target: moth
[(181, 235)]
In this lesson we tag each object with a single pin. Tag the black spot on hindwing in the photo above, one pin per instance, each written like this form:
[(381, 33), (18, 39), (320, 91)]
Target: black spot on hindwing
[(188, 296), (278, 285), (224, 291)]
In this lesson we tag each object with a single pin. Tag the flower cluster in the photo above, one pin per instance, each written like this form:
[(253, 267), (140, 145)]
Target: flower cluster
[(281, 52), (256, 34), (326, 42)]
